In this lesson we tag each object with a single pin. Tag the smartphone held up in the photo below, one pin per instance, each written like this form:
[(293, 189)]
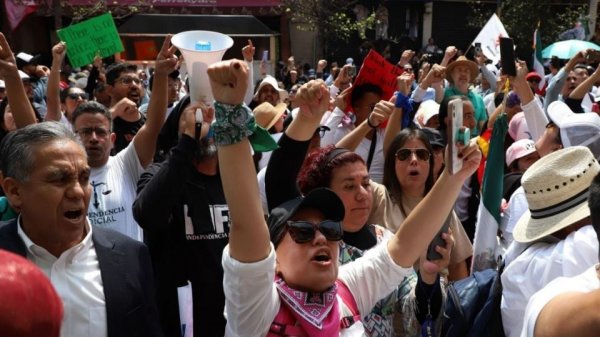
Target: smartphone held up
[(458, 134)]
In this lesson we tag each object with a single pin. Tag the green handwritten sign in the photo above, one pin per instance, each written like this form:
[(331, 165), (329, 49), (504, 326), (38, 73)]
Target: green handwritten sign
[(89, 38)]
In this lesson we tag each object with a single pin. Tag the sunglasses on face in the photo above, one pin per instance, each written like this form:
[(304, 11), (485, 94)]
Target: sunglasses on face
[(410, 70), (304, 231), (405, 154), (87, 132), (534, 80), (75, 95)]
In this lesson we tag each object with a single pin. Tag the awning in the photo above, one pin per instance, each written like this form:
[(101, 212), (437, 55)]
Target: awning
[(163, 24), (183, 3)]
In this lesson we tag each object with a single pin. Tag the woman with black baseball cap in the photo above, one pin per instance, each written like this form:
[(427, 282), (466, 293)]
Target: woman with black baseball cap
[(300, 275)]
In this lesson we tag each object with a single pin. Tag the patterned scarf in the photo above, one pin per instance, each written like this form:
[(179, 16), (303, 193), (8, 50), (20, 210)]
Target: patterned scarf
[(317, 313)]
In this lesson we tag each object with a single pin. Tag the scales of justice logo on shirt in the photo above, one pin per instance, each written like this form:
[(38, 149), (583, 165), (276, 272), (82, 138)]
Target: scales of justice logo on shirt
[(217, 229), (99, 214)]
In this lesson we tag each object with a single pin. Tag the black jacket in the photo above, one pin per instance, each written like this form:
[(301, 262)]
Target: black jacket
[(186, 225), (126, 276)]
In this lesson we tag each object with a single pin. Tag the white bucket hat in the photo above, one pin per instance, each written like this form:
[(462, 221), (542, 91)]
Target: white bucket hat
[(556, 188), (270, 80), (576, 128)]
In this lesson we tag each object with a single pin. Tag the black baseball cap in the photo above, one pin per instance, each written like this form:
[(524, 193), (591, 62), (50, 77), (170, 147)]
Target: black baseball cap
[(321, 199), (435, 137)]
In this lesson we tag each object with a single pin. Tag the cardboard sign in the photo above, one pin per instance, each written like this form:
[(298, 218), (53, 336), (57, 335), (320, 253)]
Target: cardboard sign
[(85, 40), (377, 70)]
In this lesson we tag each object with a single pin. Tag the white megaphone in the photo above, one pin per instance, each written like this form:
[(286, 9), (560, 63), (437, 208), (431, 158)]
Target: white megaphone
[(200, 49)]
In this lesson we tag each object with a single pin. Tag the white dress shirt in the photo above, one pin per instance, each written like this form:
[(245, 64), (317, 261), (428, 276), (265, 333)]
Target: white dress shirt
[(537, 266), (75, 275), (583, 283)]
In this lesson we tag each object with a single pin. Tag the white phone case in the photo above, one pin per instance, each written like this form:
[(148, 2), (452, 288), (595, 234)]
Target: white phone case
[(456, 123)]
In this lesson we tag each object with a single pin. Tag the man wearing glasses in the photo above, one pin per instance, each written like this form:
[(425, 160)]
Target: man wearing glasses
[(126, 91), (114, 178)]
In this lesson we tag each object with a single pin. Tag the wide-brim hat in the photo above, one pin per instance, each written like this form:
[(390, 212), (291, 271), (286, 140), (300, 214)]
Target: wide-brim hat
[(576, 129), (557, 189), (462, 61), (322, 199), (270, 80), (267, 115)]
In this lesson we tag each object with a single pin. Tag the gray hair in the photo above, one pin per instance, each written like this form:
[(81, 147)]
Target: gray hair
[(18, 147)]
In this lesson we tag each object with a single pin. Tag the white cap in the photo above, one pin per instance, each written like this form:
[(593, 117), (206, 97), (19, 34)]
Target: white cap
[(25, 57), (23, 75)]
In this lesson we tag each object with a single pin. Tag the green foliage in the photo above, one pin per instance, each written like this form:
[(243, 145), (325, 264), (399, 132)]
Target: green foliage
[(332, 20), (520, 18)]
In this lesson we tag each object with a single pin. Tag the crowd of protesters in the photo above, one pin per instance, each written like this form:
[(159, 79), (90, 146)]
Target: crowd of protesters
[(300, 204)]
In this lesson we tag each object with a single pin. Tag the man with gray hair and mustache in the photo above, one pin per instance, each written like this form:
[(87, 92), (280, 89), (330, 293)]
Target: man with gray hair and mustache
[(103, 277)]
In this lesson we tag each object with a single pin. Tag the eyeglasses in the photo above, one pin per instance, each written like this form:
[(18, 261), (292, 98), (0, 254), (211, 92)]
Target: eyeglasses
[(87, 132), (128, 80), (404, 154), (410, 70), (75, 95), (321, 131), (534, 80), (304, 231)]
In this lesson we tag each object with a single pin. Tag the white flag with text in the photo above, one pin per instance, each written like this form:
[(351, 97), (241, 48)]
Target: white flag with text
[(489, 37)]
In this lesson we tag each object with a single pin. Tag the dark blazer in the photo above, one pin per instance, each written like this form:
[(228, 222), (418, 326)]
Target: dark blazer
[(126, 276)]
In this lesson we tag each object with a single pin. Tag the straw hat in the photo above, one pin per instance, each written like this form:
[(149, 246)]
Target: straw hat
[(462, 61), (267, 115), (556, 188)]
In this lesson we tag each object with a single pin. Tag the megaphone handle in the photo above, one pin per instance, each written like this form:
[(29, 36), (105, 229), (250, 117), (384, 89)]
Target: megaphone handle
[(198, 130), (199, 118)]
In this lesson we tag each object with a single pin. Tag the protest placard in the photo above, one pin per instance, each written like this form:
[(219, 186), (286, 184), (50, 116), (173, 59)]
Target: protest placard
[(377, 70), (85, 40)]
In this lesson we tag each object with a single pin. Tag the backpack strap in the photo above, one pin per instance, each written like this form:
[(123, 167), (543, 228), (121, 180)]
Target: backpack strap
[(350, 303), (284, 324)]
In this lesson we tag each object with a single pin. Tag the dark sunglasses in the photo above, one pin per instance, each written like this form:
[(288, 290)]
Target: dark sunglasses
[(404, 154), (304, 231), (321, 131), (534, 80), (75, 95)]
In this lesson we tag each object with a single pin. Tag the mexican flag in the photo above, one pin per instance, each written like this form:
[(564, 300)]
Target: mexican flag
[(488, 217), (537, 57)]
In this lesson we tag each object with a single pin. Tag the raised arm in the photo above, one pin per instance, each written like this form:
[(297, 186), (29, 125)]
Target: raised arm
[(53, 93), (532, 108), (381, 112), (557, 82), (422, 224), (15, 92), (248, 236), (582, 89), (160, 187), (145, 140), (449, 54), (248, 52), (286, 161)]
